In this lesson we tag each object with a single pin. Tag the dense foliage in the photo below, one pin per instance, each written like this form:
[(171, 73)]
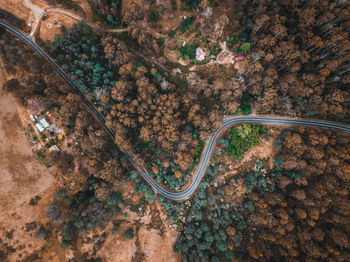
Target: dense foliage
[(188, 51), (191, 3), (299, 62), (86, 212), (244, 137), (80, 53), (107, 12), (288, 212), (129, 233)]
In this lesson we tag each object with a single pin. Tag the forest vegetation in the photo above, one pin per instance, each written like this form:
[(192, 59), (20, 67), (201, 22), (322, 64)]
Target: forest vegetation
[(296, 64)]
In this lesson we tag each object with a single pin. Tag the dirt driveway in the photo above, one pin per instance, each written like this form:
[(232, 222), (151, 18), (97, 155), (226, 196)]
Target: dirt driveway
[(22, 175)]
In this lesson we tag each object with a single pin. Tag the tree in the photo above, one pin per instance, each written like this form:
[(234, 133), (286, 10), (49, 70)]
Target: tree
[(11, 85), (129, 233), (66, 163)]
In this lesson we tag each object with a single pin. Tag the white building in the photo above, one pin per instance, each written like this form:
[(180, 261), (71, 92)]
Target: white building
[(33, 118), (44, 123), (54, 148), (40, 127), (200, 54)]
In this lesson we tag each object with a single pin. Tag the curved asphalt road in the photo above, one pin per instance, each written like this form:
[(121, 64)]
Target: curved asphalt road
[(235, 120), (209, 148)]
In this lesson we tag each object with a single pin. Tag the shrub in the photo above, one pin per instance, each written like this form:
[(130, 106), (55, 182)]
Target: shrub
[(192, 3), (232, 41), (245, 48), (188, 51), (172, 33), (186, 24), (129, 233), (244, 137), (114, 198), (154, 16)]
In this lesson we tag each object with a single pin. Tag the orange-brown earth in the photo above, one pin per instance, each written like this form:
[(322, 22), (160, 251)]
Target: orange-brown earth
[(22, 173), (50, 26), (18, 9)]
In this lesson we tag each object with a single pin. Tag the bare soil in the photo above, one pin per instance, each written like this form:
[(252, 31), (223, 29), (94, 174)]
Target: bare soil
[(20, 169), (154, 238), (265, 152), (20, 224), (17, 8), (48, 30)]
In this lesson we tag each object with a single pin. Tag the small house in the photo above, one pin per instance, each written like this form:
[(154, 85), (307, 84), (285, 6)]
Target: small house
[(44, 123), (200, 54), (40, 127), (33, 118), (54, 148)]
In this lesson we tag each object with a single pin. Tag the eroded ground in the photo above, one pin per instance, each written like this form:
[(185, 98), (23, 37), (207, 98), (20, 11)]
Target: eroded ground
[(17, 8), (28, 189), (153, 241), (22, 175), (50, 26)]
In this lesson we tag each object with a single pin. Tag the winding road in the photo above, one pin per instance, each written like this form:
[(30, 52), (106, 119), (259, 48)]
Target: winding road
[(39, 13), (210, 146)]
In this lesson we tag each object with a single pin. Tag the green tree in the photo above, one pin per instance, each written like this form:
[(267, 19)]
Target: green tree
[(245, 48), (154, 16), (221, 245), (244, 137), (129, 233)]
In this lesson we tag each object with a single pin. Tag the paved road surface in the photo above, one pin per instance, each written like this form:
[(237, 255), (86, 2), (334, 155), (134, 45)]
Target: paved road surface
[(209, 148)]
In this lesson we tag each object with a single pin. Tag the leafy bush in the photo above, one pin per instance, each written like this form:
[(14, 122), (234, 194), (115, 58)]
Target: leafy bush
[(171, 33), (186, 24), (67, 234), (107, 12), (232, 41), (129, 233), (61, 194), (214, 49), (80, 53), (257, 180), (244, 137), (174, 5), (278, 161), (191, 3), (114, 198), (154, 16), (188, 51), (245, 48)]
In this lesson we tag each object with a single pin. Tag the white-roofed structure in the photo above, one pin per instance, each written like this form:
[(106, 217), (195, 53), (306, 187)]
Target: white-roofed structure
[(44, 123), (40, 127), (200, 54), (54, 148), (33, 118)]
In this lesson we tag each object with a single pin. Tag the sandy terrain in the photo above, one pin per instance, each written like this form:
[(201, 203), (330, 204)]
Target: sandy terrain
[(20, 170), (264, 151), (18, 232), (25, 177), (84, 5), (48, 30), (45, 4), (22, 177), (157, 247), (17, 8), (154, 239)]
